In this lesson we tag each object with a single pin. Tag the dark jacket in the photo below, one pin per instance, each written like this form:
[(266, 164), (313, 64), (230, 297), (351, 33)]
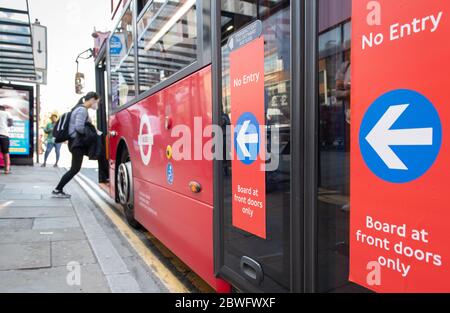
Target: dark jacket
[(96, 149), (86, 140)]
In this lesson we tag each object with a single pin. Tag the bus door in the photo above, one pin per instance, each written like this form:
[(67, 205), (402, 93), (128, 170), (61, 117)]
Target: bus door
[(103, 111), (253, 183)]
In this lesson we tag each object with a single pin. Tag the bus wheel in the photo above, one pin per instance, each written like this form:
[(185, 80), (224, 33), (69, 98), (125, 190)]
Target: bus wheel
[(125, 188)]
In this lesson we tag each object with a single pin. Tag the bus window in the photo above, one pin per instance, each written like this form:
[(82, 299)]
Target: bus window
[(167, 33), (122, 62)]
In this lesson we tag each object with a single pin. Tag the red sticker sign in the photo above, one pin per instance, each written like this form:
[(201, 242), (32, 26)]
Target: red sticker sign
[(400, 161), (248, 120)]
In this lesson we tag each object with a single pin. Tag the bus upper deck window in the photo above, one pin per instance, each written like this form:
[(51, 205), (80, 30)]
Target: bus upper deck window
[(122, 62), (167, 35)]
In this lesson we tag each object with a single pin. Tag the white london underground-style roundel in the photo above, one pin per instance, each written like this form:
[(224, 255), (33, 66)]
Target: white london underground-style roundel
[(145, 139)]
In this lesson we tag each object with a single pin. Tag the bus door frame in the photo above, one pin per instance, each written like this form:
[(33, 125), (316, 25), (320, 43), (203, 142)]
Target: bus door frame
[(101, 67), (304, 145)]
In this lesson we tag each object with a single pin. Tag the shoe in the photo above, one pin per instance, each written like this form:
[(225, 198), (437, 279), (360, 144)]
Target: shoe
[(60, 194), (55, 166), (44, 165)]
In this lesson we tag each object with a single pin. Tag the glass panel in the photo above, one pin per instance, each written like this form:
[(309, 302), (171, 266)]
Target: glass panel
[(17, 61), (18, 70), (18, 48), (15, 55), (274, 253), (167, 40), (15, 29), (13, 65), (334, 147), (14, 17), (122, 55), (15, 39), (14, 4)]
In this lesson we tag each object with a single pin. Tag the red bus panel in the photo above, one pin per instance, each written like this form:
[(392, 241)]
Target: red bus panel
[(165, 204)]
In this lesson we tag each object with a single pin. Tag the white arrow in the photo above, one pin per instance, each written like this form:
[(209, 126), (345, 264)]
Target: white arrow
[(243, 139), (382, 137)]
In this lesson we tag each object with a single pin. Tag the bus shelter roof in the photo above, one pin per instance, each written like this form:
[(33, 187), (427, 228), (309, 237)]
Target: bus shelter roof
[(16, 44)]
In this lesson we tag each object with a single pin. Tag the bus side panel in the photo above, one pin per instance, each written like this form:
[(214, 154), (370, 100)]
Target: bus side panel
[(182, 225), (170, 210), (186, 108)]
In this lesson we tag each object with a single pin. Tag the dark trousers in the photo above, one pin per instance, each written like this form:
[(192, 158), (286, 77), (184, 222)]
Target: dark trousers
[(77, 162)]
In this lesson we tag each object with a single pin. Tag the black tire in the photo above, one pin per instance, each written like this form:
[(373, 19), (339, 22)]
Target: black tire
[(125, 189)]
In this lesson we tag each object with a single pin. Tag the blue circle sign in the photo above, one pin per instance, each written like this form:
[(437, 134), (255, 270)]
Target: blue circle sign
[(115, 45), (247, 138), (401, 136), (170, 174)]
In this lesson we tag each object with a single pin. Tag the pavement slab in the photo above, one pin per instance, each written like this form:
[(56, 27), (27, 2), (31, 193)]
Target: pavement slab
[(56, 223), (35, 212), (64, 252), (19, 256), (11, 225), (43, 236), (50, 203), (20, 196), (54, 280)]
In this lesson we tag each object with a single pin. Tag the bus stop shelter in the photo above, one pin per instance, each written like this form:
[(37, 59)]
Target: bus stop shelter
[(23, 61)]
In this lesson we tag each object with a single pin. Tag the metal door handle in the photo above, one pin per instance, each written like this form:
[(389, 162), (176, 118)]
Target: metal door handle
[(113, 134), (252, 270)]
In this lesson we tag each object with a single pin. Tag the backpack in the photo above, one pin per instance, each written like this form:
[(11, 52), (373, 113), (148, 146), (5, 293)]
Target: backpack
[(61, 129)]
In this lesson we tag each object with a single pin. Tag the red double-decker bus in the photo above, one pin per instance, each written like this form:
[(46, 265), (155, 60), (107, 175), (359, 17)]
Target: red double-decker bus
[(178, 71), (160, 72), (168, 64)]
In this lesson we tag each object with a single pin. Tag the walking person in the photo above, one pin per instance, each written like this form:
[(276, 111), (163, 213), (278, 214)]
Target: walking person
[(6, 122), (78, 142), (51, 144)]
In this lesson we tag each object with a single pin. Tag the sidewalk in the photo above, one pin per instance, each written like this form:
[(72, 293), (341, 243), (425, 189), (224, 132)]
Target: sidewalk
[(44, 240)]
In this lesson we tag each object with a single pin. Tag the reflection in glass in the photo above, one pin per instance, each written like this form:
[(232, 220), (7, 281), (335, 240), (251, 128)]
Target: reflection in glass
[(167, 33), (334, 146), (274, 253), (122, 61)]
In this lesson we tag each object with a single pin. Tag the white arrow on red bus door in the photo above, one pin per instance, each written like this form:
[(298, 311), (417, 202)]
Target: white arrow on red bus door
[(382, 137), (243, 139)]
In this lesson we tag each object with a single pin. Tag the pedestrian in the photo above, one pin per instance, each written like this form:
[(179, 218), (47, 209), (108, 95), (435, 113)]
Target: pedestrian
[(51, 144), (6, 122), (78, 143)]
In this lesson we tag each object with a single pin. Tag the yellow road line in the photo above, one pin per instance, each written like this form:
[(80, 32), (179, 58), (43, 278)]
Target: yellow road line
[(170, 281)]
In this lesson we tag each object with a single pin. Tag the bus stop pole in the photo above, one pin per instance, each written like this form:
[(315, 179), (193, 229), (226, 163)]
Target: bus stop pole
[(38, 104)]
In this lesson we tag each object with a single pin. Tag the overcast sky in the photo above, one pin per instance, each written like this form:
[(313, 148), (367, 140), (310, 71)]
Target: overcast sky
[(70, 25)]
